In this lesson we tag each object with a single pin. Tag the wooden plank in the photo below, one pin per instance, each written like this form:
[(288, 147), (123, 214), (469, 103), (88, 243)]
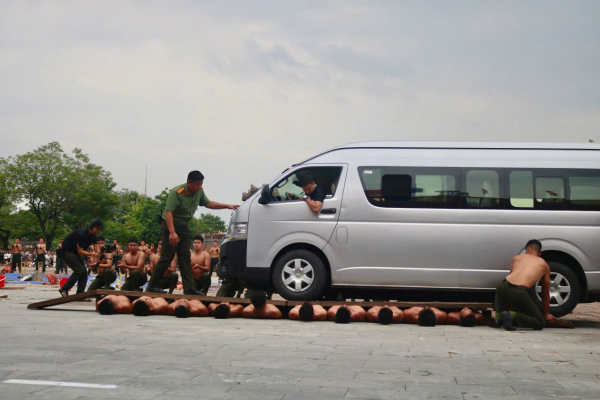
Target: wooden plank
[(62, 300), (13, 288), (4, 296)]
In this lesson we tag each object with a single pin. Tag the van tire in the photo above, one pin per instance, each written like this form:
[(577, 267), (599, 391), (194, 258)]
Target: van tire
[(573, 282), (319, 276)]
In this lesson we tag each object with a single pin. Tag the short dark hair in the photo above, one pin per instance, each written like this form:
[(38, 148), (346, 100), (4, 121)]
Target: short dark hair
[(385, 316), (305, 177), (468, 321), (534, 244), (259, 300), (182, 311), (342, 316), (96, 224), (100, 239), (199, 237), (141, 309), (427, 317), (133, 240), (222, 311), (195, 176), (307, 311), (106, 307)]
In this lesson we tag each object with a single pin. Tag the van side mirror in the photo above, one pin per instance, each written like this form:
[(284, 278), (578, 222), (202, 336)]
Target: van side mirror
[(265, 195)]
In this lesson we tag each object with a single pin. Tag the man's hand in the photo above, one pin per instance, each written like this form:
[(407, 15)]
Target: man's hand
[(549, 318), (232, 206), (173, 239)]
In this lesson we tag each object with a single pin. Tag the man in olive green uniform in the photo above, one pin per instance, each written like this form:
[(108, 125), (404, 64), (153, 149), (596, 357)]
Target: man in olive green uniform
[(182, 202)]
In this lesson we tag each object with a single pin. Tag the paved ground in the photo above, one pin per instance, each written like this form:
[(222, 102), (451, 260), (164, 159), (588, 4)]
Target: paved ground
[(166, 357)]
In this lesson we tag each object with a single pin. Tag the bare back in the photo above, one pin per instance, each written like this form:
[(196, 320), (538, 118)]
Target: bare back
[(527, 269)]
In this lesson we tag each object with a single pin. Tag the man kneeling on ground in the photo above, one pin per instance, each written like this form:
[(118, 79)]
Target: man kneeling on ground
[(385, 315), (145, 306), (200, 260), (187, 308), (513, 292), (134, 262), (260, 309), (104, 268), (170, 278), (465, 317), (225, 310), (346, 314), (308, 312), (112, 304)]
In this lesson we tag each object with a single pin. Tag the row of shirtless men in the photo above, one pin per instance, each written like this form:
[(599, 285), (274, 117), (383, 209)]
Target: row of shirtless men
[(259, 308)]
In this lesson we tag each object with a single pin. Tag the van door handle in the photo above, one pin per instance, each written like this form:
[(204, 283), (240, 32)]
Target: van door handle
[(328, 211)]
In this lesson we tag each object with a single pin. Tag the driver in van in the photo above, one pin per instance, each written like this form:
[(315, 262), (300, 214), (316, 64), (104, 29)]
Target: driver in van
[(314, 195)]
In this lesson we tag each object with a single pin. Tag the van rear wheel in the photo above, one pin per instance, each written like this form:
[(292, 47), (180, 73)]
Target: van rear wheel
[(299, 275), (565, 290)]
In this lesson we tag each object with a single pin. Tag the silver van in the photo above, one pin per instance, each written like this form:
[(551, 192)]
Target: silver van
[(425, 215)]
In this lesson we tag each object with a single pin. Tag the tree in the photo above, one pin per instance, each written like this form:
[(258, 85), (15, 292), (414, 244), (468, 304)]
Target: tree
[(207, 223), (61, 189)]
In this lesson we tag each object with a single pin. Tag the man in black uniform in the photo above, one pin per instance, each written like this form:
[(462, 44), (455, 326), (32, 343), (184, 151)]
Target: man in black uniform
[(315, 195), (74, 247), (60, 262)]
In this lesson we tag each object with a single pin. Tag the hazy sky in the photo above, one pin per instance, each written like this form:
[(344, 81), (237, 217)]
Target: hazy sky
[(241, 90)]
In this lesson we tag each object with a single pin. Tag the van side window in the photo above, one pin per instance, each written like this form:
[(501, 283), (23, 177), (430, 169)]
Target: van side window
[(584, 189), (550, 192), (288, 188), (399, 187), (482, 188), (521, 189)]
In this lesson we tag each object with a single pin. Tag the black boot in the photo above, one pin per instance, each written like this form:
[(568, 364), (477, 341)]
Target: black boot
[(192, 291), (508, 322), (151, 289)]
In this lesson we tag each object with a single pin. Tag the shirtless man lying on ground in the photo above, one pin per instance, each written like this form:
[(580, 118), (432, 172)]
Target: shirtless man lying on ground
[(112, 304), (428, 316), (145, 306), (187, 308), (465, 317), (385, 315), (346, 314), (308, 312), (260, 309), (225, 310)]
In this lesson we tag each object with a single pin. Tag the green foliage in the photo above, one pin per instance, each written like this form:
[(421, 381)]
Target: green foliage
[(61, 189), (207, 223)]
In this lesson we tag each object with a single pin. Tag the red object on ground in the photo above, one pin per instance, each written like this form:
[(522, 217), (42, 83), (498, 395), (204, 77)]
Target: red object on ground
[(2, 280), (62, 281), (52, 279)]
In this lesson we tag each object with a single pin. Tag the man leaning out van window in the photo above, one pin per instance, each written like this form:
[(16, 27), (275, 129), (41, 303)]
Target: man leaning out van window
[(314, 195)]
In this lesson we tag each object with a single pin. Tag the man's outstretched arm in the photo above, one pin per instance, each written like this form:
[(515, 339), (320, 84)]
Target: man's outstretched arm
[(213, 205)]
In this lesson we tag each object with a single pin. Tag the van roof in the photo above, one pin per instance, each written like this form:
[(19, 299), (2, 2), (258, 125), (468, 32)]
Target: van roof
[(399, 144), (470, 145)]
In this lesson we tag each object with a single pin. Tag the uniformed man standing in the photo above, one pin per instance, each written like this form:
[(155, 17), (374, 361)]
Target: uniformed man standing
[(182, 202)]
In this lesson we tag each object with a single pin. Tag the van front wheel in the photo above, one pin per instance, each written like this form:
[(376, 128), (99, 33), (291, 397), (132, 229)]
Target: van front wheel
[(299, 275)]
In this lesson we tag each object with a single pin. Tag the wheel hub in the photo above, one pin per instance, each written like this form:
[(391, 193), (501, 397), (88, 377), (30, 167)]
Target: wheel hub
[(298, 275), (560, 289)]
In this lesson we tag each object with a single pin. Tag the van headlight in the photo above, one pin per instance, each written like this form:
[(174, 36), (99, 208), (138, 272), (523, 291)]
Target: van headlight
[(240, 231)]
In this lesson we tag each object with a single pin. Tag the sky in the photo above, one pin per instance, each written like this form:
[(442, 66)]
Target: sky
[(240, 90)]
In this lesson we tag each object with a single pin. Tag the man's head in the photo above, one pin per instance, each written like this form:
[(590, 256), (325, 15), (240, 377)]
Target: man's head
[(468, 320), (100, 242), (115, 242), (142, 242), (132, 245), (41, 240), (215, 244), (342, 316), (426, 317), (307, 312), (158, 248), (60, 243), (198, 242), (534, 248), (385, 316), (194, 181), (259, 300), (222, 311), (141, 309), (96, 227), (17, 240), (106, 307), (182, 311), (306, 181)]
